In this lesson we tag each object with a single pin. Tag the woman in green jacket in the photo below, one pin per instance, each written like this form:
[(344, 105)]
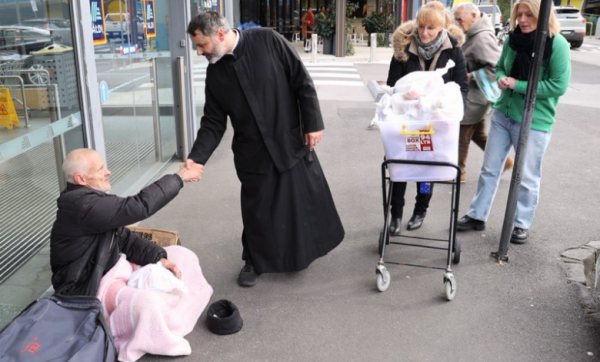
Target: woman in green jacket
[(512, 72)]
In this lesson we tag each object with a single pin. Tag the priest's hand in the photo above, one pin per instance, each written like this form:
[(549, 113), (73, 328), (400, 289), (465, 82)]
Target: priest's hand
[(191, 166), (193, 173), (311, 139)]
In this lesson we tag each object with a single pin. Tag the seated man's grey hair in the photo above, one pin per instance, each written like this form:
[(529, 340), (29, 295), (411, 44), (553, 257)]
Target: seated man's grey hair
[(208, 23), (469, 8), (77, 161)]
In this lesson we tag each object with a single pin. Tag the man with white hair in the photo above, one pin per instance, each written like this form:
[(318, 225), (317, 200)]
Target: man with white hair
[(481, 52), (88, 216)]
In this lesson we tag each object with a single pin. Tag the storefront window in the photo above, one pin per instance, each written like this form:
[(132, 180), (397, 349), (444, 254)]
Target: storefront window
[(135, 71), (281, 15), (40, 122)]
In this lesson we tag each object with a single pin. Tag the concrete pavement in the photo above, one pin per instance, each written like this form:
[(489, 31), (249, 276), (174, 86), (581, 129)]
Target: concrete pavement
[(520, 311)]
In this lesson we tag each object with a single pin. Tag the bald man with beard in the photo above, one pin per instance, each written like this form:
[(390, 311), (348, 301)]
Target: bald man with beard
[(88, 216)]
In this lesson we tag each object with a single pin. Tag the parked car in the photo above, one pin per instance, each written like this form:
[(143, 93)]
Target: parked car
[(572, 24), (23, 39), (60, 29), (118, 26), (488, 10), (17, 43)]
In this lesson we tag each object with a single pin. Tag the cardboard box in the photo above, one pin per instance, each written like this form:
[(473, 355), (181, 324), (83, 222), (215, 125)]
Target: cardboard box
[(37, 98), (161, 237)]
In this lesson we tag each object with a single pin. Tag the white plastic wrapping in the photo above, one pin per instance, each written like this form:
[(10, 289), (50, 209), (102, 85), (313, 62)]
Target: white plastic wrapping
[(156, 277), (421, 121)]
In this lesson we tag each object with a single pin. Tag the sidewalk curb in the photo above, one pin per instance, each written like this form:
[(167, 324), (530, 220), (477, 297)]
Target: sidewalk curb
[(579, 264), (375, 89)]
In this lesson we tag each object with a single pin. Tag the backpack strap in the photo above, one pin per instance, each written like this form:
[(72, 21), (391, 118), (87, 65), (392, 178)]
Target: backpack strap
[(103, 250)]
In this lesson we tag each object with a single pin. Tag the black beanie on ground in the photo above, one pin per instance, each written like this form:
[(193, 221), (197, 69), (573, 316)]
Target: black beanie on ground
[(223, 318)]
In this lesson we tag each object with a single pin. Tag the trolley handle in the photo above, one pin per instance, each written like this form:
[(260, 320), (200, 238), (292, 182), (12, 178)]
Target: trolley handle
[(404, 132)]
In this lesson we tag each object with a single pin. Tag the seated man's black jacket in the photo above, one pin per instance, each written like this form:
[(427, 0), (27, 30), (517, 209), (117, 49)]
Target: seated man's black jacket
[(86, 217)]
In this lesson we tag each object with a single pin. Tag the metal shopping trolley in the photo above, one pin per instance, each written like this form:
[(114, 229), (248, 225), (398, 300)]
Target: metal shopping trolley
[(401, 169)]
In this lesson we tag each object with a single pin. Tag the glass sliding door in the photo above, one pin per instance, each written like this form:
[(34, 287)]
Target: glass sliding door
[(40, 122), (199, 63), (134, 65)]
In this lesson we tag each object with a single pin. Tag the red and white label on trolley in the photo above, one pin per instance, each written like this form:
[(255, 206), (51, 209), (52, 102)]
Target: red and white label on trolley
[(420, 142)]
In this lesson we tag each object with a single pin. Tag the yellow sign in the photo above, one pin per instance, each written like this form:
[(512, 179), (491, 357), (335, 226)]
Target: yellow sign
[(8, 114), (149, 24)]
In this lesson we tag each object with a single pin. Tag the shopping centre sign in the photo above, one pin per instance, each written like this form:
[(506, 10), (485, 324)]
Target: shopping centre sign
[(149, 18), (98, 25)]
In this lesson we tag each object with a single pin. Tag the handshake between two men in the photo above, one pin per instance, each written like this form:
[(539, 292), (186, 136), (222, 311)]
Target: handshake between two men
[(191, 171)]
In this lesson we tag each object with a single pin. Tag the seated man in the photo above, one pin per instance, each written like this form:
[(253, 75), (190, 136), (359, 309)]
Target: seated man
[(89, 218)]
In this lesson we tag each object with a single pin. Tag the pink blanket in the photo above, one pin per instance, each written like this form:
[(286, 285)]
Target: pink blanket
[(144, 321)]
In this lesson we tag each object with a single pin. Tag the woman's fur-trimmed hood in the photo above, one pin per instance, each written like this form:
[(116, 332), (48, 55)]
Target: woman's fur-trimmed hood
[(404, 34)]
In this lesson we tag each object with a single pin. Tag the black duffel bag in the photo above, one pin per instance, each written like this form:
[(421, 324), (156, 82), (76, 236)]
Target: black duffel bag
[(63, 327), (58, 328)]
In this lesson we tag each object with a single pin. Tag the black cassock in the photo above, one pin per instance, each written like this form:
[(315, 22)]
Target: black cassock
[(288, 212)]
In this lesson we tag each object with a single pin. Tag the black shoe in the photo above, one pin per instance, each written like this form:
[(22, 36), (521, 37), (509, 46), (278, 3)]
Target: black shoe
[(248, 276), (466, 223), (519, 236), (395, 226), (415, 221)]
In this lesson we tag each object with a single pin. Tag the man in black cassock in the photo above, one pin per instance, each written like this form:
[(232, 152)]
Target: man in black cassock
[(256, 78)]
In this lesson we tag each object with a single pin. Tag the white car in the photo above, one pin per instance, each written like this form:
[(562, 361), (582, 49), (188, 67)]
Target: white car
[(118, 26), (488, 9), (572, 24)]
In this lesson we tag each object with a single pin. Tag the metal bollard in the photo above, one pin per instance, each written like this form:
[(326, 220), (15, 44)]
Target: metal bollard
[(315, 44), (373, 46)]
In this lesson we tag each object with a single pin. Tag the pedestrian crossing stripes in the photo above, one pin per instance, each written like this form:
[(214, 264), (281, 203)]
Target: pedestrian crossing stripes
[(323, 74), (587, 48)]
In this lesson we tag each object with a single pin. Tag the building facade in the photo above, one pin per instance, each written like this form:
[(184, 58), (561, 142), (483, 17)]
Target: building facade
[(118, 76)]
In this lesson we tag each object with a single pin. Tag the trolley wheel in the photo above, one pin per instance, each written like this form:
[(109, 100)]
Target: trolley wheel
[(449, 286), (456, 252), (383, 279), (37, 78)]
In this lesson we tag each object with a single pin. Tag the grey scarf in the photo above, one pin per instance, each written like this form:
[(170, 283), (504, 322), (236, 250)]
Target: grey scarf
[(427, 51)]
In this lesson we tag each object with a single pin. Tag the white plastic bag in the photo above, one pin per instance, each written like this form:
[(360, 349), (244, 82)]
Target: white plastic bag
[(415, 85), (444, 104), (425, 96), (409, 107), (382, 109), (156, 277)]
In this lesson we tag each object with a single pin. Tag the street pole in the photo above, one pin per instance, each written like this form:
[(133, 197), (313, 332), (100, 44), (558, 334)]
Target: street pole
[(529, 102), (315, 45), (340, 28), (494, 14)]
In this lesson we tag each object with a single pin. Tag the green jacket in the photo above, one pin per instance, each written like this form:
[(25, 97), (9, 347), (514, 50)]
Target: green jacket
[(553, 82)]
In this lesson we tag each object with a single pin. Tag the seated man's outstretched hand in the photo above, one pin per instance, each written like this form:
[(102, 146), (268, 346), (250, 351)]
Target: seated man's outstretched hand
[(193, 172), (171, 266)]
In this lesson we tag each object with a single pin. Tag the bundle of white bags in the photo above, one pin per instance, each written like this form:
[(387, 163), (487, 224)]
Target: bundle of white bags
[(419, 120), (421, 96)]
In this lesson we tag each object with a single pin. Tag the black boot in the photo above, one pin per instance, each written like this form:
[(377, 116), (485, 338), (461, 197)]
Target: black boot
[(395, 226), (519, 236), (248, 275), (416, 221), (468, 223)]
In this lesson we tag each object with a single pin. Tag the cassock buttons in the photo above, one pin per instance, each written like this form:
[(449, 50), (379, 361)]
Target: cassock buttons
[(223, 317)]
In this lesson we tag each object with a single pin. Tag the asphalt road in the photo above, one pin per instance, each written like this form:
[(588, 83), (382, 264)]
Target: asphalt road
[(521, 311)]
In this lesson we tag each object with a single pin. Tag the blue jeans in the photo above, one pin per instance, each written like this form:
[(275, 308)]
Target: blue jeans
[(504, 133)]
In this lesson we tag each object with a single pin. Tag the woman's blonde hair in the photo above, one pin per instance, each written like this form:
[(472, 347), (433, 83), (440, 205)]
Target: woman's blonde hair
[(534, 6), (434, 13)]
